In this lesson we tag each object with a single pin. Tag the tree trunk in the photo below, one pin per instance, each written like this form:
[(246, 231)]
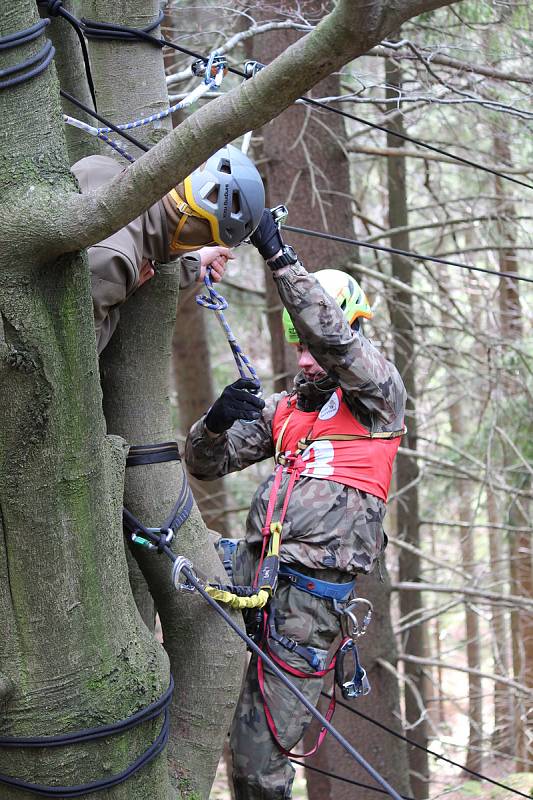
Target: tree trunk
[(503, 710), (135, 380), (520, 552), (473, 645), (72, 78), (73, 651), (402, 315)]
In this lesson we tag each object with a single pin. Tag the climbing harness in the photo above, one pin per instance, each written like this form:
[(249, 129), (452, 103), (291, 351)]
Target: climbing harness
[(150, 712), (34, 65), (162, 536), (217, 303), (190, 582)]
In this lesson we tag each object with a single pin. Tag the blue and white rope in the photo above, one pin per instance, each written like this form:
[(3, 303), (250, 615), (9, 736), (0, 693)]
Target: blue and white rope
[(191, 98), (215, 302)]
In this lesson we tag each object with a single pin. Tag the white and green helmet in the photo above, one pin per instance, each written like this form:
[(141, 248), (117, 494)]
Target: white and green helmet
[(345, 291)]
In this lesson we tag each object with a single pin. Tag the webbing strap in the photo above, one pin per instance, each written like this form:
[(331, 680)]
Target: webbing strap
[(152, 453), (268, 714)]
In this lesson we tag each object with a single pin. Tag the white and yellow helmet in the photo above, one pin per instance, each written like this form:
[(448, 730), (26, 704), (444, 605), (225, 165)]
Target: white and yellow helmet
[(345, 291)]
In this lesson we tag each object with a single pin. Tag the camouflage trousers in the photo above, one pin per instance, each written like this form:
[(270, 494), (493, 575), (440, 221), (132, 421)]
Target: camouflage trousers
[(260, 770)]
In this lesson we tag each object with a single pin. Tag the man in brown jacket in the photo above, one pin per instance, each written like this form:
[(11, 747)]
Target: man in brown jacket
[(195, 222)]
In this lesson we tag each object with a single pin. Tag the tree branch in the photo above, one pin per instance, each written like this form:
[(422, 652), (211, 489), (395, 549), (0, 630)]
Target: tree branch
[(68, 224), (507, 599), (434, 662)]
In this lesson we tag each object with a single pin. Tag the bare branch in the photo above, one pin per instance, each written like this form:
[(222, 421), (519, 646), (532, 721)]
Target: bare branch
[(494, 597), (434, 662)]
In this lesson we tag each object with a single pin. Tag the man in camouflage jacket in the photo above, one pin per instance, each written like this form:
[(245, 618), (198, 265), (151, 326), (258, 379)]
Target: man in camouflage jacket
[(331, 531)]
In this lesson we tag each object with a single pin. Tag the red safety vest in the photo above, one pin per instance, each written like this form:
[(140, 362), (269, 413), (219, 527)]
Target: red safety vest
[(335, 446)]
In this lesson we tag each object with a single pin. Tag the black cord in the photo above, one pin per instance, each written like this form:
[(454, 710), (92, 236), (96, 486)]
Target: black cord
[(35, 65), (102, 119), (22, 37), (44, 56), (121, 33), (406, 253), (406, 138), (155, 709), (55, 9), (427, 750), (345, 780)]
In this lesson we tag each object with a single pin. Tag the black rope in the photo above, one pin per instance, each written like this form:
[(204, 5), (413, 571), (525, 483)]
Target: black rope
[(419, 142), (345, 780), (105, 121), (121, 33), (34, 65), (55, 9), (426, 749), (155, 709), (24, 36), (407, 253)]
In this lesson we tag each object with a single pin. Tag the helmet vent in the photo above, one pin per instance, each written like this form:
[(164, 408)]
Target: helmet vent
[(224, 166), (236, 203), (213, 195)]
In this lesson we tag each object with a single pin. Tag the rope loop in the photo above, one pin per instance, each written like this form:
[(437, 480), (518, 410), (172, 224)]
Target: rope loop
[(217, 303)]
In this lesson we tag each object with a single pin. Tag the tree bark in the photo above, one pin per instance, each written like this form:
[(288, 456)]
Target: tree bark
[(520, 551), (136, 403), (472, 632), (407, 514), (73, 652), (72, 78)]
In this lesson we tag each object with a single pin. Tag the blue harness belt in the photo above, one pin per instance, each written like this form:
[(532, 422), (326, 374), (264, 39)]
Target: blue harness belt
[(309, 584)]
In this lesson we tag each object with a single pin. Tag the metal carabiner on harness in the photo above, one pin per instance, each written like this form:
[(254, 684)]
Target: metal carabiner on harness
[(358, 685), (348, 610)]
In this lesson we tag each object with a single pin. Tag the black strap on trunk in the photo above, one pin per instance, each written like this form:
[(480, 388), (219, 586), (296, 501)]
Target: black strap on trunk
[(150, 712)]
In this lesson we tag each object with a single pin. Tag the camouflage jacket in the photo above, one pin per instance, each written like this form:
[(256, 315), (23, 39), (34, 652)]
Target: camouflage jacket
[(328, 525)]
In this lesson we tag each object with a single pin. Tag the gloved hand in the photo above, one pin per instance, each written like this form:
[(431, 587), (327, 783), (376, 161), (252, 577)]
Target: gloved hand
[(235, 402), (267, 236)]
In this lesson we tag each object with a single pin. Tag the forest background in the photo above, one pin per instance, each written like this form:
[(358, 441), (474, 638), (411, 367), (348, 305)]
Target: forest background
[(450, 650), (458, 79)]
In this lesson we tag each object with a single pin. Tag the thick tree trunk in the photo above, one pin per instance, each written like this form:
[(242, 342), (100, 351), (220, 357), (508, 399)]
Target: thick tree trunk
[(135, 378), (73, 651), (402, 315)]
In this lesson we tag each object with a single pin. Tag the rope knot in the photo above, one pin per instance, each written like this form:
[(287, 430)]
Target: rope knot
[(53, 6)]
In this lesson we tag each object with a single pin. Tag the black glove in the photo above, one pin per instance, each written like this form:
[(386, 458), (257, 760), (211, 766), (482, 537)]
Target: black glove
[(237, 401), (267, 236)]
